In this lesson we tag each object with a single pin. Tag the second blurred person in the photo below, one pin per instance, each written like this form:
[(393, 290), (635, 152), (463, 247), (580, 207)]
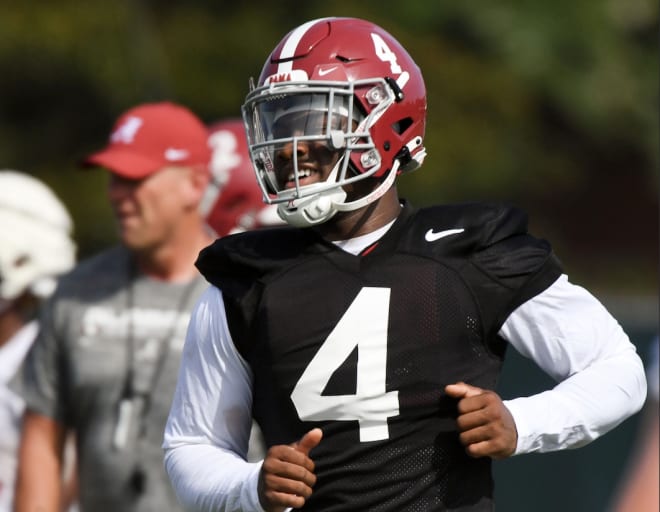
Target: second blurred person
[(105, 362)]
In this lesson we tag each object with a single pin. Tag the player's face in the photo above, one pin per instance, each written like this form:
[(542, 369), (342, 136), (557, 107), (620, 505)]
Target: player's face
[(315, 158), (149, 210)]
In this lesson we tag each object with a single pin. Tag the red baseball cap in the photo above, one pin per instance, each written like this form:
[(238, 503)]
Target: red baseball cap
[(151, 136)]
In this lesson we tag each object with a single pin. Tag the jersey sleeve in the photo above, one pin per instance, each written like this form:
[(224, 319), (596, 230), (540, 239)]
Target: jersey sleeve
[(207, 432), (237, 264), (489, 245), (508, 265)]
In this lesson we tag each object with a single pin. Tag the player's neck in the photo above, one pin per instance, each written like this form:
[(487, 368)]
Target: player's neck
[(174, 261)]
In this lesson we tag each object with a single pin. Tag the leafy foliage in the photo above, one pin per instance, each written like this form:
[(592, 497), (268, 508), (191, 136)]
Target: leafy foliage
[(550, 105)]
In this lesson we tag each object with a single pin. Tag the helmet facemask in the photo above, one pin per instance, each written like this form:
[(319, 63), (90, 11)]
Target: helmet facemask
[(281, 117)]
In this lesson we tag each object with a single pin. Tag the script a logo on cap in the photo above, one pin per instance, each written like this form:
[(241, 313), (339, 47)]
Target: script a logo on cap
[(127, 130)]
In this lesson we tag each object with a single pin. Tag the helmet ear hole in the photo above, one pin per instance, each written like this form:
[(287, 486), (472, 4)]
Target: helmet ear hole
[(402, 125)]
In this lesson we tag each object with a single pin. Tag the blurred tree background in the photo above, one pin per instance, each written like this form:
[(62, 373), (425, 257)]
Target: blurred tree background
[(549, 105)]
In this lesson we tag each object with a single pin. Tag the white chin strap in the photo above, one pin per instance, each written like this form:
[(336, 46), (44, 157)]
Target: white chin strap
[(372, 196), (311, 210)]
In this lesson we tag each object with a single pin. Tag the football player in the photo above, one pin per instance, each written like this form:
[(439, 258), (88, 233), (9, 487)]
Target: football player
[(366, 339)]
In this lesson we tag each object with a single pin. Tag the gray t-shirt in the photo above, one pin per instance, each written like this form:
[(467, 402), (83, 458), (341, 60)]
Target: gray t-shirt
[(100, 323)]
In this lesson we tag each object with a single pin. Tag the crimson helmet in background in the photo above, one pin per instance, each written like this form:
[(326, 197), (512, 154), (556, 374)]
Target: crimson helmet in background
[(233, 201), (350, 84)]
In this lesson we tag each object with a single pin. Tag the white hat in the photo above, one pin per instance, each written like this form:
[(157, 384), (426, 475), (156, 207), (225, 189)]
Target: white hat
[(35, 236)]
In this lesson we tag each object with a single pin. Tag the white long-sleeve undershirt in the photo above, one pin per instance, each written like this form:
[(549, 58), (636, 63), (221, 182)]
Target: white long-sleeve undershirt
[(572, 337), (565, 330)]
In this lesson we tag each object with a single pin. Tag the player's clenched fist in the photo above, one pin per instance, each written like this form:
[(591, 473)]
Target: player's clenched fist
[(287, 474), (486, 426)]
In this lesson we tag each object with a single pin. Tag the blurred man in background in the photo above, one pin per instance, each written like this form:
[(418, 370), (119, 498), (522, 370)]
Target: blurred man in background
[(104, 364), (35, 247)]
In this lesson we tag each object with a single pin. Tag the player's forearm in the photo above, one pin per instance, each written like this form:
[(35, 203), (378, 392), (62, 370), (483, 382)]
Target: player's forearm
[(582, 407), (37, 491), (208, 479), (38, 486), (571, 336)]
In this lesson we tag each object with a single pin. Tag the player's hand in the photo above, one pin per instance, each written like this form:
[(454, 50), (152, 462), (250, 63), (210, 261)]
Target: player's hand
[(486, 426), (287, 474)]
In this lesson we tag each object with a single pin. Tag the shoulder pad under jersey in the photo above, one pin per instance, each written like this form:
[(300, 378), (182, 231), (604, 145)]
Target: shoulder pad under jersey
[(251, 254), (466, 227)]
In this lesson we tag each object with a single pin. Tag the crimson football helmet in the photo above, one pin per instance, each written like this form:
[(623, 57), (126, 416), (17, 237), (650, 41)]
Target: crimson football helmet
[(233, 201), (349, 84)]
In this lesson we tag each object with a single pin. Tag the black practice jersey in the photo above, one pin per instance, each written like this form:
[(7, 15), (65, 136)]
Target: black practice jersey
[(363, 346)]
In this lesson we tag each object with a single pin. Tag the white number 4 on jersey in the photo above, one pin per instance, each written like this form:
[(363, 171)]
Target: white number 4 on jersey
[(363, 325)]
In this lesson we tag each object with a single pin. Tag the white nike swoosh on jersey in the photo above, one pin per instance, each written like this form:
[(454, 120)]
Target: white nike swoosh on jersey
[(323, 72), (174, 154), (432, 236)]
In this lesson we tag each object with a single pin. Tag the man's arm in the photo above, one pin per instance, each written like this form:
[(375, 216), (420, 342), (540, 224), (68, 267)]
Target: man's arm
[(574, 339), (39, 483), (207, 432)]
